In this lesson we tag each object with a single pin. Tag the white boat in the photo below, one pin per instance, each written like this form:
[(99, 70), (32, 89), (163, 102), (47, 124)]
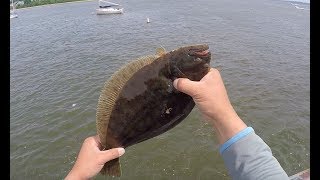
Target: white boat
[(109, 8), (13, 16), (12, 12)]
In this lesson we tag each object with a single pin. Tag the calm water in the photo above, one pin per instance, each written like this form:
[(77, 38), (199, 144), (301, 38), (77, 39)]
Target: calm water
[(61, 55)]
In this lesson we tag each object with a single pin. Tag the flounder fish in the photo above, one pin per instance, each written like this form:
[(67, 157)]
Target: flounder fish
[(139, 102)]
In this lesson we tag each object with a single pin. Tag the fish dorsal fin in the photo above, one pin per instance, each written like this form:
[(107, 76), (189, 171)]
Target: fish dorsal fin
[(111, 91), (160, 51)]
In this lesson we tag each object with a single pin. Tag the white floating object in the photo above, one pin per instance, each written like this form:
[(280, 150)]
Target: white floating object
[(148, 20), (73, 105), (298, 7)]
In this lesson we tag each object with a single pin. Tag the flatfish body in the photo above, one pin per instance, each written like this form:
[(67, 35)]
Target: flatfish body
[(139, 101)]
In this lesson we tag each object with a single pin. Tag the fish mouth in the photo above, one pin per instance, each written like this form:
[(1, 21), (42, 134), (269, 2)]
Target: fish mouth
[(204, 52)]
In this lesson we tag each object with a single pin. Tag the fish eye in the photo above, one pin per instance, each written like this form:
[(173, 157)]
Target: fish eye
[(197, 59)]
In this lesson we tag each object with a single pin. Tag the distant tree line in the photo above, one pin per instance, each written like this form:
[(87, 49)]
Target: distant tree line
[(30, 3)]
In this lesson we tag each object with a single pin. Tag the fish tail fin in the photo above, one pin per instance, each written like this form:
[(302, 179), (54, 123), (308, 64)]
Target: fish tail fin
[(112, 168)]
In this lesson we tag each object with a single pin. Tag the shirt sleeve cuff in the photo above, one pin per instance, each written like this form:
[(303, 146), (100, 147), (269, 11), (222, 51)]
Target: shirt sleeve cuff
[(235, 138)]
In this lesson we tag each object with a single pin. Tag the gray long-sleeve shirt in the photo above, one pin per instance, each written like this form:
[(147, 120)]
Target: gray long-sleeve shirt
[(248, 157)]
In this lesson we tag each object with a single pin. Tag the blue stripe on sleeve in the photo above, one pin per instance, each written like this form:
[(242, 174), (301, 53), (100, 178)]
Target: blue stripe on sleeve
[(235, 138)]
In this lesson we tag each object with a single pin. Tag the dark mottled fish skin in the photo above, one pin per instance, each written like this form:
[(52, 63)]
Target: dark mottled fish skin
[(148, 104)]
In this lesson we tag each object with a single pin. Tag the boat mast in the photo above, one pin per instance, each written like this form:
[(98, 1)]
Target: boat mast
[(12, 6), (109, 2)]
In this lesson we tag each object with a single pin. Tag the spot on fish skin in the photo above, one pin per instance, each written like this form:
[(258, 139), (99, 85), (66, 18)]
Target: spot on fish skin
[(168, 110), (170, 87)]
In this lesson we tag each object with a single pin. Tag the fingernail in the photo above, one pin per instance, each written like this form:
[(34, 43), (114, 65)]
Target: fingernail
[(121, 151), (175, 83)]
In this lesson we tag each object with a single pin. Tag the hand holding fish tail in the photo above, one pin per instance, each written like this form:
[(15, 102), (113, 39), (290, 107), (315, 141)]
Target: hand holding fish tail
[(91, 159), (211, 97)]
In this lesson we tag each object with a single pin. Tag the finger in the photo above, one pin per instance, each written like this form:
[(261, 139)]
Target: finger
[(212, 74), (111, 154), (98, 142), (218, 67), (185, 85), (214, 71), (96, 138)]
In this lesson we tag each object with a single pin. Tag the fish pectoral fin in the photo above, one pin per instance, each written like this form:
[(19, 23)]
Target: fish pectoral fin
[(160, 51), (112, 168)]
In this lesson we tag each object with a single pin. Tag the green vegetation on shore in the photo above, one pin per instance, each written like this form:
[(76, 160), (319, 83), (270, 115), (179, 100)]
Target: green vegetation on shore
[(31, 3)]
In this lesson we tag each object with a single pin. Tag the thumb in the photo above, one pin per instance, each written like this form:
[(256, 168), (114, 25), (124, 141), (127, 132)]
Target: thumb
[(186, 86), (111, 154)]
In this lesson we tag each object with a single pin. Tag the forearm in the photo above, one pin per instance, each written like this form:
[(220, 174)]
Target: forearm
[(226, 125), (247, 156)]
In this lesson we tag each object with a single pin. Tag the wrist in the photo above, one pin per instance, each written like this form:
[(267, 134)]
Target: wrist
[(227, 125), (74, 175), (235, 138), (222, 115)]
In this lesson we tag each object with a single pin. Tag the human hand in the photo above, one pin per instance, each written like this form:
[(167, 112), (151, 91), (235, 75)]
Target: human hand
[(211, 98), (91, 159), (209, 94)]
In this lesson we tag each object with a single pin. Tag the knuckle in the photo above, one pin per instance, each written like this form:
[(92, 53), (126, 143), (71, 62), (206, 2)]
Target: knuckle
[(88, 139), (113, 152), (110, 154), (215, 71)]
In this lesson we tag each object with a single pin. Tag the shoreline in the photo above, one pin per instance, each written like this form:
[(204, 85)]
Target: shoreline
[(76, 1)]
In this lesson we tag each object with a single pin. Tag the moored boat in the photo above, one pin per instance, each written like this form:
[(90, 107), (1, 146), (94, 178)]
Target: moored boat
[(109, 8)]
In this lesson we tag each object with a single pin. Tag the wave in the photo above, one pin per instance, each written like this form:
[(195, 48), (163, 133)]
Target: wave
[(300, 4), (300, 1)]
